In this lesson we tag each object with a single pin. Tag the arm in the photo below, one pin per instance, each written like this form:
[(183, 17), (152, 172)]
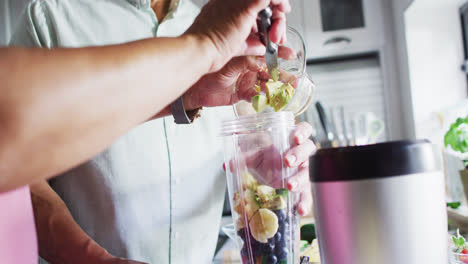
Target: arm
[(61, 240), (60, 107)]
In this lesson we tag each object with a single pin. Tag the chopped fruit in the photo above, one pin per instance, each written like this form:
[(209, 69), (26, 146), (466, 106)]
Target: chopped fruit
[(251, 204), (238, 205), (272, 87), (313, 252), (464, 258), (281, 97), (276, 203), (460, 247), (258, 88), (248, 181), (263, 225), (278, 94), (259, 102), (265, 192), (275, 74), (269, 198)]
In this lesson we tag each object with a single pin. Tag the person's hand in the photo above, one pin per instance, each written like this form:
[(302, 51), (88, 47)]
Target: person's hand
[(109, 259), (230, 27), (95, 254), (298, 157), (267, 166), (115, 260), (235, 81), (266, 163)]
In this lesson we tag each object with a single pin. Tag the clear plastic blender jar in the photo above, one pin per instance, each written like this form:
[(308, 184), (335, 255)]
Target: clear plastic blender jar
[(263, 210)]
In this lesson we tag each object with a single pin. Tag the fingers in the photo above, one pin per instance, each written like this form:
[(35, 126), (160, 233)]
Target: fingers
[(305, 203), (278, 26), (299, 154), (302, 132), (245, 86), (282, 5), (296, 182), (286, 53), (300, 183), (252, 47)]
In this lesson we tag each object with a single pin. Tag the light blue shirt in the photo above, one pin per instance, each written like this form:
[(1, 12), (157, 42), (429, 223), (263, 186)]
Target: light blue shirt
[(156, 194)]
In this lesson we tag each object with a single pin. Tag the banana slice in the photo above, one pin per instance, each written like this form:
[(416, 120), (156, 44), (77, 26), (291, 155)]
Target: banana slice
[(263, 225), (251, 204)]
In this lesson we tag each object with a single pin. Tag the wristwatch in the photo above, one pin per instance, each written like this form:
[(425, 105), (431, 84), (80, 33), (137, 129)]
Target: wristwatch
[(180, 115)]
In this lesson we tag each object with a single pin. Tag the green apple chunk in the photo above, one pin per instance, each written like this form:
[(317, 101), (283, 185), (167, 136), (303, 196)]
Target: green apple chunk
[(259, 102), (279, 94), (281, 97)]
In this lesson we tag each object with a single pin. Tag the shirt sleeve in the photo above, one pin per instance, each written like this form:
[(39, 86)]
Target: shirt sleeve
[(34, 28)]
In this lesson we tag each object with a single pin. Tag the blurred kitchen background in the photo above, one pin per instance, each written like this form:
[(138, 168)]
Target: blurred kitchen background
[(383, 69)]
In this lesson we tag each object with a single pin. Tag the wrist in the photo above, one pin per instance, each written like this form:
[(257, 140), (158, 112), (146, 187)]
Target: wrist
[(206, 49), (191, 100)]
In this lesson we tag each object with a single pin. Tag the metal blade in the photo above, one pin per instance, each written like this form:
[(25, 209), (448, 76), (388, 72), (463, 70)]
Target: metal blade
[(271, 58)]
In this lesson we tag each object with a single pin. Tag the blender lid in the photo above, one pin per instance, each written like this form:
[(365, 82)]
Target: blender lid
[(390, 159)]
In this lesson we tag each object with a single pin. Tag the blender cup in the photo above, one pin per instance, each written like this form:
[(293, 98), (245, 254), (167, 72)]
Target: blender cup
[(291, 90), (263, 210)]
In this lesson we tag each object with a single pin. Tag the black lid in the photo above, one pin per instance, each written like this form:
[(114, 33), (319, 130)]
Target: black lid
[(373, 161)]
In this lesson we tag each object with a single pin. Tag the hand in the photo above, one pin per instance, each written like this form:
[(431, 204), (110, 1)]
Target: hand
[(115, 260), (95, 254), (298, 157), (235, 81), (228, 25), (266, 164)]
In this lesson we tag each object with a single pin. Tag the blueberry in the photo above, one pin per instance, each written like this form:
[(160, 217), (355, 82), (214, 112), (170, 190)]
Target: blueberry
[(257, 248), (284, 228), (281, 215), (244, 251), (271, 242), (271, 259), (281, 243), (277, 237), (269, 247), (282, 252), (241, 233)]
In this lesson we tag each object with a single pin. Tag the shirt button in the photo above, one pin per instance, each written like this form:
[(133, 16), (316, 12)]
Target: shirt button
[(177, 180), (176, 235)]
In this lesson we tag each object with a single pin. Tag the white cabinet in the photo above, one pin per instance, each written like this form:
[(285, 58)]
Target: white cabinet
[(332, 29)]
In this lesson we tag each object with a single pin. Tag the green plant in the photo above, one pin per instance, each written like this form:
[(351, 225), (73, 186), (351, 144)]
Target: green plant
[(454, 205), (457, 137)]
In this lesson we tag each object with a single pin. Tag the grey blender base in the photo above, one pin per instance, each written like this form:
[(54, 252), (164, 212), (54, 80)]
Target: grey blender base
[(389, 224)]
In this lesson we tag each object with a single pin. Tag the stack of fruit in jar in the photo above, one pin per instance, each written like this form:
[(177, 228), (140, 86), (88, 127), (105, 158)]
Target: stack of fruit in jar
[(263, 223)]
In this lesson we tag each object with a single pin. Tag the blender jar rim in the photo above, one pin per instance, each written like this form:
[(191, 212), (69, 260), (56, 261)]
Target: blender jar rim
[(244, 124)]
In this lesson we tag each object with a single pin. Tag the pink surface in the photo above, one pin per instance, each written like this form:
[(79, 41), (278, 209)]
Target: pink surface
[(18, 244)]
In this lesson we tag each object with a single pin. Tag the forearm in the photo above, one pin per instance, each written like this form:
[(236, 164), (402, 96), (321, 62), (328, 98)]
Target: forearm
[(102, 92), (61, 240)]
